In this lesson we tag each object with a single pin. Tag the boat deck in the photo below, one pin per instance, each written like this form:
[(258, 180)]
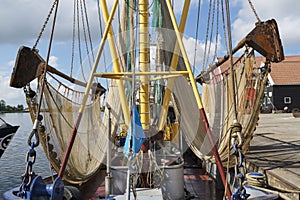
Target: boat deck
[(275, 151), (197, 183)]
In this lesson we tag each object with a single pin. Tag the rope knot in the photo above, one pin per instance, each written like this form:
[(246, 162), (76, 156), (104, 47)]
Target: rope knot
[(236, 127)]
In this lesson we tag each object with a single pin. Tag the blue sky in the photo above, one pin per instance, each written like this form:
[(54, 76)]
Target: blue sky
[(21, 21)]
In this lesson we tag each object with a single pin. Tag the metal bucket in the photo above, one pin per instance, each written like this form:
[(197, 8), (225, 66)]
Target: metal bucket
[(172, 185)]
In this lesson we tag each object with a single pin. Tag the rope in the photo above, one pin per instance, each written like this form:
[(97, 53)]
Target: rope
[(88, 28), (224, 24), (229, 47), (256, 179), (43, 77), (197, 27), (211, 31), (154, 168), (73, 38), (78, 38), (206, 36), (217, 33), (44, 25), (259, 181), (82, 6), (254, 11)]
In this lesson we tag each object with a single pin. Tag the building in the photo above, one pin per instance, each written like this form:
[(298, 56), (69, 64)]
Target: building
[(283, 89)]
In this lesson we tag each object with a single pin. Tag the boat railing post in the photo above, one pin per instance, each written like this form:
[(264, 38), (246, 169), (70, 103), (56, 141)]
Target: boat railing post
[(108, 178)]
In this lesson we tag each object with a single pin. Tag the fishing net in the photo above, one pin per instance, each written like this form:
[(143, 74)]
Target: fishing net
[(250, 82), (61, 107)]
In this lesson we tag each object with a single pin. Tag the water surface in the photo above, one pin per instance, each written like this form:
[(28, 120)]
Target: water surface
[(12, 162)]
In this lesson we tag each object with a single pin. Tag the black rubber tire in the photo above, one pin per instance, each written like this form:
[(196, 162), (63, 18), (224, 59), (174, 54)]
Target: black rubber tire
[(72, 193)]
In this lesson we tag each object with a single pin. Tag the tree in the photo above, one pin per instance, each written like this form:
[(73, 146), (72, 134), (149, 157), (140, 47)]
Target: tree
[(20, 107), (2, 105)]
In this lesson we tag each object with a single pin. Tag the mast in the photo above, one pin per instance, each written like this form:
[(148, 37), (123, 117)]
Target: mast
[(144, 63)]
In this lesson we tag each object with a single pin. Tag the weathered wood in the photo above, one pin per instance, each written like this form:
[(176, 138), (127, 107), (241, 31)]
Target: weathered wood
[(30, 65), (275, 151)]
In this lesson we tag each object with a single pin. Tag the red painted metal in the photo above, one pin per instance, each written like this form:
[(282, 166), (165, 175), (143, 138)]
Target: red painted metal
[(215, 153), (71, 142)]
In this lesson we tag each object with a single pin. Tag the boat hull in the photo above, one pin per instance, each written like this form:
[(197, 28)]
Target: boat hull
[(6, 135)]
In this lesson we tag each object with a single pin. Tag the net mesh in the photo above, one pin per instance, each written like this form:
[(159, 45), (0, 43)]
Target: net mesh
[(250, 81), (60, 114)]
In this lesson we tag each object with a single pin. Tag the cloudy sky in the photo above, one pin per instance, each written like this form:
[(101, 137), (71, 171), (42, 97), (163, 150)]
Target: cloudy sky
[(21, 21)]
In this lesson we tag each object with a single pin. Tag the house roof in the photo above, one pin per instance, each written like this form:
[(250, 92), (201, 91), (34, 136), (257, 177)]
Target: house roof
[(286, 72)]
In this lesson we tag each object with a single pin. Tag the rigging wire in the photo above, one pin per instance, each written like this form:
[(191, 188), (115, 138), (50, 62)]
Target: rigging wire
[(101, 34), (224, 25), (211, 31), (73, 39), (43, 77), (88, 28), (217, 34), (254, 11), (84, 32), (45, 24), (79, 41), (197, 30), (229, 48), (206, 36)]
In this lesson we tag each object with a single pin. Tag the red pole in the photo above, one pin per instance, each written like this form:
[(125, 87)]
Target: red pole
[(71, 142), (215, 152)]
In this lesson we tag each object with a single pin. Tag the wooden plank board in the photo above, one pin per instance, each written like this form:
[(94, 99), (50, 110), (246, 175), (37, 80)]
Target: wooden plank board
[(275, 150)]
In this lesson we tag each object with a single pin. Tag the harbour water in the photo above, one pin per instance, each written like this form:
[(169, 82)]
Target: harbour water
[(12, 162)]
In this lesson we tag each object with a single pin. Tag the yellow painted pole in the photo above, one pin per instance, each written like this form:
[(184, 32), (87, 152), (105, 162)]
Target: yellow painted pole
[(168, 92), (198, 99), (185, 58), (144, 63), (86, 93), (116, 64)]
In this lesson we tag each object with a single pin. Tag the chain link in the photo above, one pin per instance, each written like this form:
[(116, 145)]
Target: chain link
[(254, 11), (44, 25), (29, 175), (237, 141)]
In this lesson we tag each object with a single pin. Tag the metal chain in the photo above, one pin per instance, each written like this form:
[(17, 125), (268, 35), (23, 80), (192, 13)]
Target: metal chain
[(237, 141), (29, 175), (254, 11), (44, 25)]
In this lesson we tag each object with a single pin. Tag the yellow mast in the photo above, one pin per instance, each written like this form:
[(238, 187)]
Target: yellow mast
[(144, 63), (168, 92), (116, 64)]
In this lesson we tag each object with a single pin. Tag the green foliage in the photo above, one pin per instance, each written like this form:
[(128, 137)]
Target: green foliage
[(9, 108)]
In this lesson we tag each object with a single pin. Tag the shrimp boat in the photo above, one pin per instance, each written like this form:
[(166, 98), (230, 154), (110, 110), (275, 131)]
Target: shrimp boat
[(119, 129)]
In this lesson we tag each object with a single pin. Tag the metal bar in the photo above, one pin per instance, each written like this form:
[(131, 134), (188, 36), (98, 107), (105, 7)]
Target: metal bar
[(116, 64), (229, 46), (112, 74), (108, 178), (72, 80), (198, 98), (144, 62), (175, 57), (86, 94)]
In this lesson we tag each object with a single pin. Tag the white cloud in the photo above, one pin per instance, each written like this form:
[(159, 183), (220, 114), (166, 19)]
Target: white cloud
[(285, 12), (22, 20), (11, 96), (53, 61)]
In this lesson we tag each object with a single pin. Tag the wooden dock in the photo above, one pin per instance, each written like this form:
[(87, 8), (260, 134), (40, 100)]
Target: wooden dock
[(275, 151)]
